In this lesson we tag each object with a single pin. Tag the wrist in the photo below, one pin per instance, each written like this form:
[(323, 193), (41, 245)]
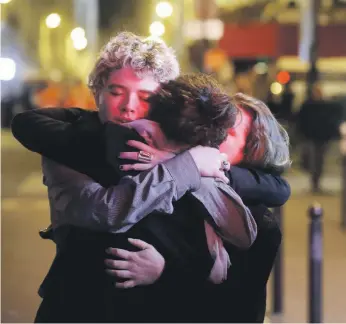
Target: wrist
[(161, 267), (184, 172)]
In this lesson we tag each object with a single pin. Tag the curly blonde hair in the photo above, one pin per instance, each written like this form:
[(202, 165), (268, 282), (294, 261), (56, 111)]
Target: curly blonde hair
[(267, 144), (149, 56)]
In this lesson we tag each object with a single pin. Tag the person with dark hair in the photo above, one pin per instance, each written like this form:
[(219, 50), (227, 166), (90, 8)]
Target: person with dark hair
[(256, 140), (193, 110)]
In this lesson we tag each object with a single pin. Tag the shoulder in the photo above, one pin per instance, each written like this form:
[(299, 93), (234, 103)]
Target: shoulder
[(87, 121), (83, 113)]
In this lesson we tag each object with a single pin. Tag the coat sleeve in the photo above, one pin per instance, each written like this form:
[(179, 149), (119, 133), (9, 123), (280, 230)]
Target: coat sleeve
[(51, 132), (257, 187)]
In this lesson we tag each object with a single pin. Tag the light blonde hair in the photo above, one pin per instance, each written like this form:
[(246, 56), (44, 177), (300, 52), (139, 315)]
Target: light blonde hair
[(149, 56), (267, 144)]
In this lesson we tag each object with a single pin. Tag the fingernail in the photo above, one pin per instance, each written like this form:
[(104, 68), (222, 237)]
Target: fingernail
[(108, 250), (121, 167)]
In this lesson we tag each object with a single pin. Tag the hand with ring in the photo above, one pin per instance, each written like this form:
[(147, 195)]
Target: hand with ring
[(225, 165), (210, 162), (148, 156)]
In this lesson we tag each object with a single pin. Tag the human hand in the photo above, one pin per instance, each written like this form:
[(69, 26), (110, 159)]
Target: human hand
[(139, 268), (210, 162), (155, 156)]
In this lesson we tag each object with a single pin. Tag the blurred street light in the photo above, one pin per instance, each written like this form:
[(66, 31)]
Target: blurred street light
[(164, 9), (276, 88), (77, 33), (80, 43), (53, 20), (4, 1), (283, 77), (7, 69), (157, 28), (261, 68)]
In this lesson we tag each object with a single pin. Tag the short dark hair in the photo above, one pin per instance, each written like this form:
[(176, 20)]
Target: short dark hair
[(193, 110)]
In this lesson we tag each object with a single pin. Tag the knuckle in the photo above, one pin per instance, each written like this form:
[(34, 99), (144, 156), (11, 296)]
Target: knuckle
[(111, 264), (128, 284), (132, 257), (136, 257)]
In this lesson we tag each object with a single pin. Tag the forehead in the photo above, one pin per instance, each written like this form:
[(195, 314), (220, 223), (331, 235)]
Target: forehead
[(127, 78)]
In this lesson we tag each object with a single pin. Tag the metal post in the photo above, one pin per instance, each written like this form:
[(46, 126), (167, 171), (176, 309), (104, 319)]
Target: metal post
[(312, 75), (278, 269), (315, 264), (343, 174)]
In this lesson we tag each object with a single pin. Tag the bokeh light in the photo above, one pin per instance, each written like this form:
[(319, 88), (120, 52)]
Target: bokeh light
[(157, 28), (164, 9), (77, 33), (276, 88), (7, 69), (80, 43), (283, 77), (53, 20)]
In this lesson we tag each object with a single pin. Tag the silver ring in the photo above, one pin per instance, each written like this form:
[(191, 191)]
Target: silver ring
[(145, 157), (225, 165)]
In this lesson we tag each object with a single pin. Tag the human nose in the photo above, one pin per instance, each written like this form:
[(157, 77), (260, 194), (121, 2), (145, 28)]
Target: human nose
[(133, 103)]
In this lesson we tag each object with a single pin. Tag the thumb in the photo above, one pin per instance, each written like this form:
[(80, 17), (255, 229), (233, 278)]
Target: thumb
[(139, 243), (221, 175)]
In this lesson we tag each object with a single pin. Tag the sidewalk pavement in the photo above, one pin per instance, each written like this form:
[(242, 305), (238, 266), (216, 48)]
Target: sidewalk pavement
[(296, 257)]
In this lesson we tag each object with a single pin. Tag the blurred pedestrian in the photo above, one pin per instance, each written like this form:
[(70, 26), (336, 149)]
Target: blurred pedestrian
[(317, 123), (287, 100), (273, 104)]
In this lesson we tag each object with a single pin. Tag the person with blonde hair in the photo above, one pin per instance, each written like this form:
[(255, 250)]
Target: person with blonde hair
[(129, 71)]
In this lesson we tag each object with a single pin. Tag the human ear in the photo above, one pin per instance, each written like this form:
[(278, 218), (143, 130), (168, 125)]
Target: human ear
[(231, 131)]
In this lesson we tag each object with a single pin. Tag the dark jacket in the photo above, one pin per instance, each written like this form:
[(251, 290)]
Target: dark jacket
[(68, 136), (242, 297), (319, 120)]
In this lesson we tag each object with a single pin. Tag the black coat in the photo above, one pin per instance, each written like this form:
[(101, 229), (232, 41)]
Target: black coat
[(76, 138), (319, 121)]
